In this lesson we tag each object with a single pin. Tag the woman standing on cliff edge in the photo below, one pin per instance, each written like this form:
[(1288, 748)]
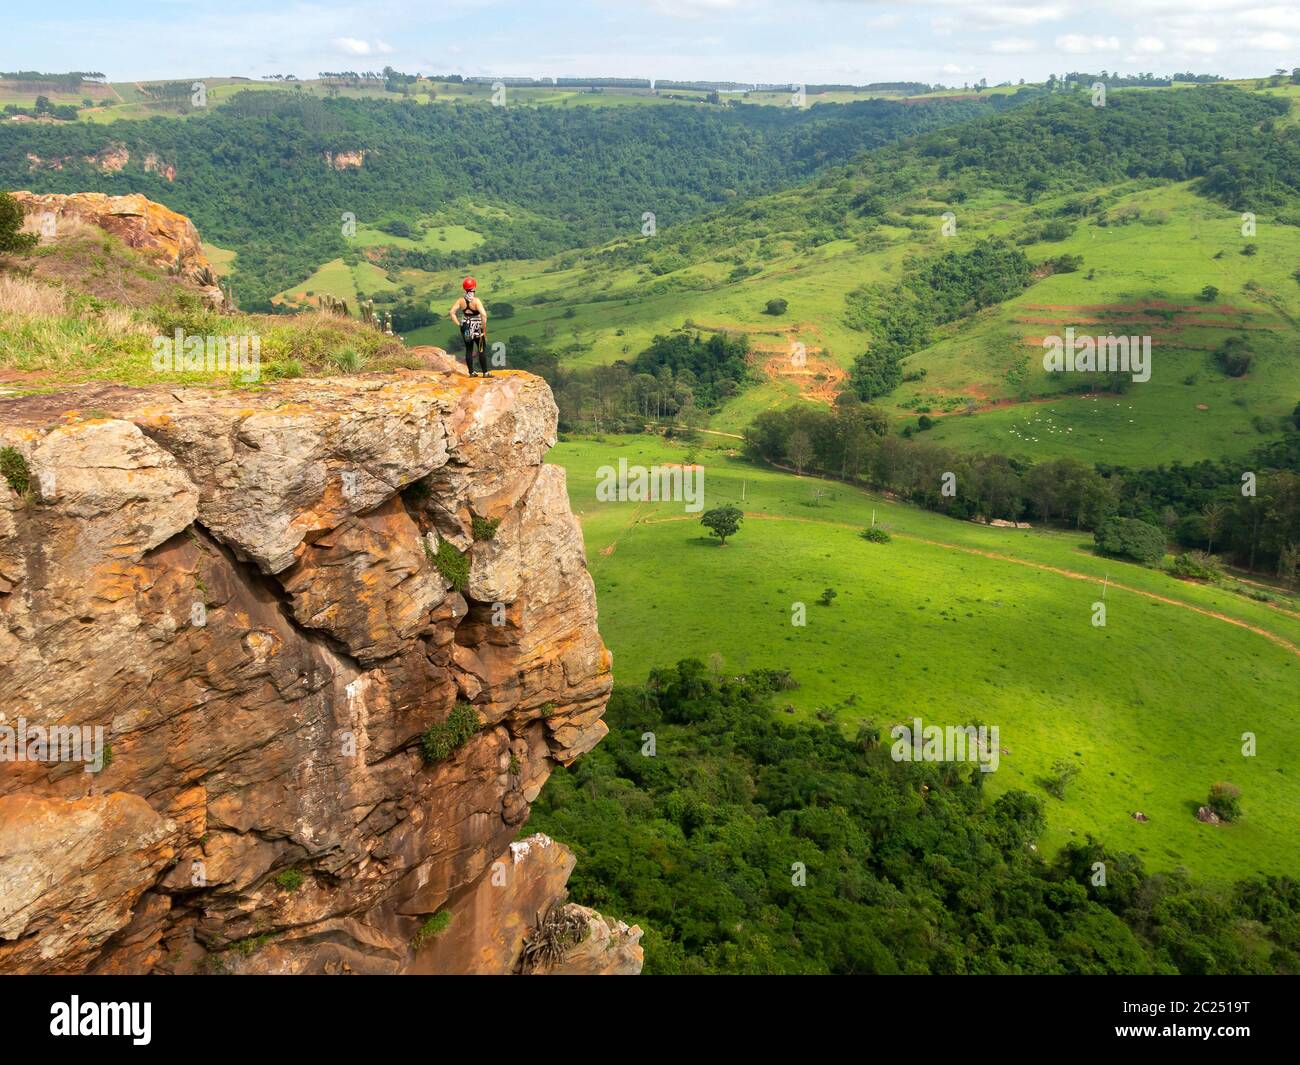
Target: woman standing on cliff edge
[(470, 317)]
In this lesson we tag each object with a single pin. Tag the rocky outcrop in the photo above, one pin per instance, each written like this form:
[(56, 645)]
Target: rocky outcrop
[(165, 238), (352, 159), (268, 601)]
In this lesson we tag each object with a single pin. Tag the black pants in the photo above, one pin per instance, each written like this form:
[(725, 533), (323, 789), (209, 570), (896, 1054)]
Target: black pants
[(475, 346)]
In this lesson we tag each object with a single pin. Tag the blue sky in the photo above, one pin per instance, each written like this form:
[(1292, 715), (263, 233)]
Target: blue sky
[(950, 41)]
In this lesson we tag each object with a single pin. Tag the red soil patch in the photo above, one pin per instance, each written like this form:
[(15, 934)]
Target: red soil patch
[(1146, 326), (1137, 308), (1155, 343), (816, 378)]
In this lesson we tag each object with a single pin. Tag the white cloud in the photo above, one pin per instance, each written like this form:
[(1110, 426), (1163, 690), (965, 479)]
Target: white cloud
[(352, 46), (1149, 46), (356, 46), (1272, 17), (1081, 44), (1013, 46), (693, 8), (1027, 15), (1272, 42), (1005, 15)]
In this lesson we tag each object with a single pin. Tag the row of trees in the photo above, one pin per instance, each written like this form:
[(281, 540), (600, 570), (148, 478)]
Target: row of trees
[(38, 81), (677, 379), (1201, 506)]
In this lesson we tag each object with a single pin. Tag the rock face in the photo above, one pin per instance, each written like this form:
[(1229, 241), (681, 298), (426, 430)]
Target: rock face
[(242, 591), (166, 238), (346, 160)]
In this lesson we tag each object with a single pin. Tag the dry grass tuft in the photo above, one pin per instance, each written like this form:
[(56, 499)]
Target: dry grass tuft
[(24, 297), (69, 227)]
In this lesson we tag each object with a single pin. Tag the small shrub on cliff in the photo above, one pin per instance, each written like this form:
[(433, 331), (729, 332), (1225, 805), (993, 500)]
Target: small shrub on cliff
[(13, 468), (563, 928), (442, 740), (280, 371), (434, 926), (452, 564), (484, 528), (349, 360), (290, 880), (11, 223)]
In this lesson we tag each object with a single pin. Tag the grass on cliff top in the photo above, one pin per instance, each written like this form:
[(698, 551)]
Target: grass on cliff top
[(86, 307), (955, 622)]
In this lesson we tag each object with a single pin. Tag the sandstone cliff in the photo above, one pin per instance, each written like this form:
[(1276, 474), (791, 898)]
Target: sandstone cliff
[(256, 595), (167, 239)]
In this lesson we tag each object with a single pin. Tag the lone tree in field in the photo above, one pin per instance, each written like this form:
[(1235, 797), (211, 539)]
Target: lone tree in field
[(722, 522), (11, 221)]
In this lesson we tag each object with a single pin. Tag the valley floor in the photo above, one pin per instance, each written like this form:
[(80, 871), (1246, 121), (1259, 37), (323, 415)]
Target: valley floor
[(957, 623)]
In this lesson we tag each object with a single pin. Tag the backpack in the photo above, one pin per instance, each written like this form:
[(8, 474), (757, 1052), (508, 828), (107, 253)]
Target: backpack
[(472, 321)]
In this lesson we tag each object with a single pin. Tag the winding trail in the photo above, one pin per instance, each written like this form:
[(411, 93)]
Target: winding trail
[(1074, 575)]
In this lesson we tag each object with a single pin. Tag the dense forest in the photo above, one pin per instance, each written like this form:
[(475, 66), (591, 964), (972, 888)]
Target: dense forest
[(745, 843), (1232, 140), (252, 173), (1233, 144)]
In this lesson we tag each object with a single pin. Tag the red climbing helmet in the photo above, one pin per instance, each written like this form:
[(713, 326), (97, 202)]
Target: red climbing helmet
[(469, 284)]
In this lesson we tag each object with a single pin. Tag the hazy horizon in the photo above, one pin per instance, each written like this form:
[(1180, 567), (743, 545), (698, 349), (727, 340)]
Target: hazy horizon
[(767, 41)]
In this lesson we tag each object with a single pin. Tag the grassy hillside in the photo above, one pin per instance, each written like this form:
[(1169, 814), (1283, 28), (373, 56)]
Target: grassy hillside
[(83, 307), (956, 622), (1147, 243)]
